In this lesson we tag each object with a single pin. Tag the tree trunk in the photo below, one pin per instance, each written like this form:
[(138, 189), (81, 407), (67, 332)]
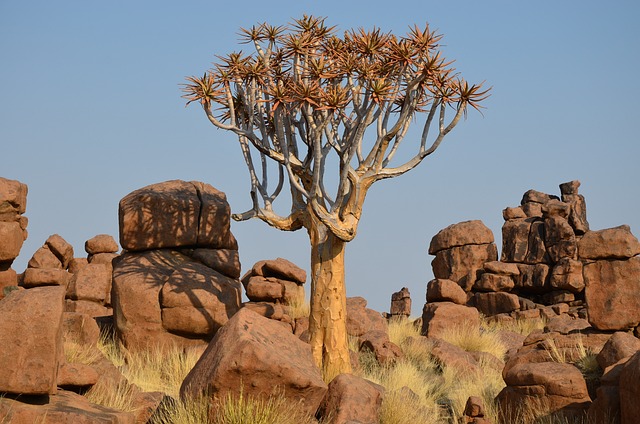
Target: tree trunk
[(328, 318)]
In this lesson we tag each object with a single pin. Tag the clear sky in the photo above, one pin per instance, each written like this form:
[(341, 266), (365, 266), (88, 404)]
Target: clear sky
[(90, 110)]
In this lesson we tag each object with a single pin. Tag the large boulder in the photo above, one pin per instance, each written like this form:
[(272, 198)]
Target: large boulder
[(352, 399), (31, 340), (611, 243), (440, 317), (523, 241), (361, 319), (611, 293), (11, 239), (630, 390), (461, 234), (258, 357), (619, 346), (440, 290), (175, 214), (463, 264)]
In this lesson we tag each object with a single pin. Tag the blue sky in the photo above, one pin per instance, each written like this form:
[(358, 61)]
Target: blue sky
[(90, 110)]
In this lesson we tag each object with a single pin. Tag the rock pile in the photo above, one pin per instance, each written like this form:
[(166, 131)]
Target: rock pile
[(177, 280), (13, 229)]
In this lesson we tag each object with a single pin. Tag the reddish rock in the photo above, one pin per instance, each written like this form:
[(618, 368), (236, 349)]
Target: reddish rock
[(612, 243), (501, 268), (274, 311), (92, 282), (102, 243), (193, 321), (523, 241), (352, 399), (31, 340), (13, 196), (558, 296), (513, 213), (630, 390), (474, 411), (249, 354), (401, 303), (440, 317), (225, 261), (619, 346), (461, 234), (361, 319), (44, 258), (277, 268), (556, 208), (440, 290), (260, 289), (61, 248), (65, 407), (494, 282), (174, 214), (564, 324), (535, 196), (76, 264), (533, 278), (606, 406), (377, 341), (8, 278), (12, 238), (578, 214), (102, 259), (35, 277), (80, 328), (463, 264), (611, 293), (76, 376), (449, 355), (560, 238), (567, 275), (532, 209), (496, 303), (88, 307)]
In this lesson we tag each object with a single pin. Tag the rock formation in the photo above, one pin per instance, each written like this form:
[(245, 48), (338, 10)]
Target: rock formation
[(13, 229)]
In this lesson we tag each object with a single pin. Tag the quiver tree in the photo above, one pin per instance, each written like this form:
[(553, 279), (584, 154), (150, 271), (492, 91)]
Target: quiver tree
[(324, 116)]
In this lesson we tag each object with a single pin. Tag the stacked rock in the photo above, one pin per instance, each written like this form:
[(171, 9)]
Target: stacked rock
[(176, 281), (400, 305), (273, 286), (13, 229)]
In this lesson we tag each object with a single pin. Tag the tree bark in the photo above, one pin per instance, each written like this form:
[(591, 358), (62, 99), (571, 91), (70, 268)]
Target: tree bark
[(328, 317)]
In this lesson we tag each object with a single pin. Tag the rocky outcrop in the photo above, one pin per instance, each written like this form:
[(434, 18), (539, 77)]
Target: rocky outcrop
[(361, 319), (400, 304), (177, 279), (13, 229)]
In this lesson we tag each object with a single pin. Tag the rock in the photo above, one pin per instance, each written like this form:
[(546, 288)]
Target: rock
[(532, 209), (558, 296), (193, 321), (259, 289), (463, 264), (606, 406), (496, 303), (474, 411), (102, 259), (578, 214), (570, 187), (630, 390), (523, 241), (560, 239), (461, 234), (44, 258), (558, 386), (36, 277), (249, 354), (452, 356), (440, 290), (494, 282), (31, 340), (533, 278), (439, 317), (611, 293), (567, 275), (377, 341), (76, 264), (564, 324), (8, 280), (102, 243), (619, 346), (361, 319), (513, 213), (13, 196), (536, 197), (612, 243), (88, 307), (278, 268), (501, 268), (61, 248), (556, 208), (175, 214), (225, 261), (12, 238), (401, 303), (274, 311), (65, 407), (92, 282), (76, 376), (352, 399), (80, 328)]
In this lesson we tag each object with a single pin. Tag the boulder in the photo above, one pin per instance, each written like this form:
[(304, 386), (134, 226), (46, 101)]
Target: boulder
[(352, 399), (31, 340), (474, 411), (533, 278), (259, 289), (175, 214), (439, 317), (92, 282), (102, 243), (567, 275), (630, 390), (461, 234), (501, 268), (225, 261), (11, 239), (560, 240), (80, 328), (494, 282), (513, 213), (13, 196), (377, 341), (440, 290), (454, 357), (496, 303), (88, 307), (76, 376), (257, 356), (401, 303), (35, 277), (8, 280), (611, 293), (44, 258), (619, 346), (578, 214), (463, 264), (612, 243), (361, 319), (61, 248), (278, 268), (534, 196)]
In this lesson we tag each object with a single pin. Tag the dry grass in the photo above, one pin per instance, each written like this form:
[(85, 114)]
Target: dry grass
[(474, 339), (119, 396), (78, 353), (299, 309), (520, 326)]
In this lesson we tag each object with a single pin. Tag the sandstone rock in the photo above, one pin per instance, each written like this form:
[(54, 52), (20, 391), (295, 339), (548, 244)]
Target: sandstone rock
[(611, 293), (564, 324), (513, 213), (225, 261), (377, 341), (606, 406), (619, 346), (278, 268), (461, 234), (560, 238), (44, 258), (92, 282), (560, 387), (558, 296), (440, 290), (13, 196), (612, 243), (11, 239), (570, 187), (452, 356), (496, 303), (439, 317), (8, 278), (35, 277), (567, 275), (102, 259), (532, 209), (76, 376), (174, 214), (190, 320), (501, 268), (578, 214), (401, 303), (536, 197), (533, 278), (494, 282), (274, 311), (76, 264), (88, 307), (556, 208), (463, 264), (61, 248), (352, 399), (361, 319), (257, 356), (31, 340), (523, 241), (63, 408), (260, 289), (102, 243), (630, 390), (80, 328)]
